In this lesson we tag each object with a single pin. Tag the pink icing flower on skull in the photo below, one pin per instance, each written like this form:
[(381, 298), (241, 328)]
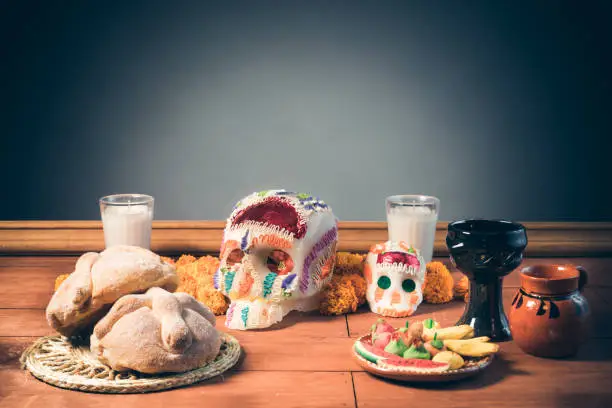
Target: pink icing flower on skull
[(409, 259)]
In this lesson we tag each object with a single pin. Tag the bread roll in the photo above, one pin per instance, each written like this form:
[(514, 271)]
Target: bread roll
[(156, 332), (99, 279)]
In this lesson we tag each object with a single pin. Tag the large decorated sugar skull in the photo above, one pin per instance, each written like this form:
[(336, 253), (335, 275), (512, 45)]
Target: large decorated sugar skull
[(278, 251), (395, 273)]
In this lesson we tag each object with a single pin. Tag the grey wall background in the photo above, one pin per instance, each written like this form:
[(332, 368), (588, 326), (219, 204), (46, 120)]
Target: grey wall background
[(501, 110)]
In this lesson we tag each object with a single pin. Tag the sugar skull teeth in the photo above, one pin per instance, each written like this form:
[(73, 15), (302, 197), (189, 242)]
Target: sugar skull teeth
[(394, 273), (278, 251)]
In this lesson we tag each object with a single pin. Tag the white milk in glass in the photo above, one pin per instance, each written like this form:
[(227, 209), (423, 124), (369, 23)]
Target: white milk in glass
[(127, 225), (414, 224)]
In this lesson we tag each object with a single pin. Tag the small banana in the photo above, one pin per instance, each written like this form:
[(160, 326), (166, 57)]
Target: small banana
[(454, 332), (470, 348), (454, 360), (482, 339)]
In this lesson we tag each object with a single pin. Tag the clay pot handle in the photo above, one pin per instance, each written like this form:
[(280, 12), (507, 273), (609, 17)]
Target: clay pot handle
[(583, 279)]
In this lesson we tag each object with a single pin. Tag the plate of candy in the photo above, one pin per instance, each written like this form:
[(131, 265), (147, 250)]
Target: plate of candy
[(423, 351)]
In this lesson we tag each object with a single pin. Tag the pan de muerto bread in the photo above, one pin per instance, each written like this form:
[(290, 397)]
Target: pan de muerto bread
[(99, 279), (156, 332)]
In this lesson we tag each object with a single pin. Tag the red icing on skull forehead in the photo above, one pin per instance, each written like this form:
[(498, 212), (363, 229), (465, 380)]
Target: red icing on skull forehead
[(398, 257), (273, 211)]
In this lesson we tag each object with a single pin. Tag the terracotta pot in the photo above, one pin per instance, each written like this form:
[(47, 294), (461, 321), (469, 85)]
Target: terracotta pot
[(549, 316)]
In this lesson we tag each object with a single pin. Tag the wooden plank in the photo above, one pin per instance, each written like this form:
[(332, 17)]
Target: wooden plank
[(26, 287), (32, 322), (447, 314), (262, 352), (295, 324), (23, 322), (11, 349), (290, 346), (28, 282), (233, 389), (58, 263), (73, 237), (514, 379)]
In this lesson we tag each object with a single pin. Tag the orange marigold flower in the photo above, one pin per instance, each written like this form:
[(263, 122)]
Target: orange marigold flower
[(438, 284), (59, 280), (462, 288)]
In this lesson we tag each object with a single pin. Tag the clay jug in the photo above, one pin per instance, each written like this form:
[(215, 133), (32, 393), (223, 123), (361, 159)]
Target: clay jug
[(549, 316)]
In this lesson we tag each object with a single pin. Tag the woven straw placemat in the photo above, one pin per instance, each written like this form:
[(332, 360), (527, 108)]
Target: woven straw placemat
[(57, 361)]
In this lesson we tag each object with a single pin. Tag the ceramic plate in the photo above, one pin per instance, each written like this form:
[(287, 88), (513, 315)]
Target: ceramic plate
[(472, 367)]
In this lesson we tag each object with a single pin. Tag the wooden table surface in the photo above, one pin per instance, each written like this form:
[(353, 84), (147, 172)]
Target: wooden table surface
[(306, 360)]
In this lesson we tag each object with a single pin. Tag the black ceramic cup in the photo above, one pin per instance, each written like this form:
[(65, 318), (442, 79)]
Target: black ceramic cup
[(486, 251)]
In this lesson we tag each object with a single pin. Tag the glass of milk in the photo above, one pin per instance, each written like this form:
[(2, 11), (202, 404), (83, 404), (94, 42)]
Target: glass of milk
[(127, 219), (413, 218)]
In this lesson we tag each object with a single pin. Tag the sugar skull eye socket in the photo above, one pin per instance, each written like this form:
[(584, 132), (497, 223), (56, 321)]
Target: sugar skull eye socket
[(384, 282), (408, 285), (279, 262), (234, 257)]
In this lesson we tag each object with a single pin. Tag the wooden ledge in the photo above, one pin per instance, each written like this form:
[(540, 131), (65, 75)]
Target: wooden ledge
[(176, 237)]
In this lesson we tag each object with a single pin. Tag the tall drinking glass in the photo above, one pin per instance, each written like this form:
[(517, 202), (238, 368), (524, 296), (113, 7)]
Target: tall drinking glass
[(127, 219), (413, 218)]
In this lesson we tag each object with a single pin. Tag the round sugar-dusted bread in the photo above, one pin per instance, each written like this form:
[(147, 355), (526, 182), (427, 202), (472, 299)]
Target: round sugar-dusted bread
[(99, 279), (156, 332)]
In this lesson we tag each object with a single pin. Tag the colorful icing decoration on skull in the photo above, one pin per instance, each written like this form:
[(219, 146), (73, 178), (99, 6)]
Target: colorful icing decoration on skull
[(278, 251), (395, 273)]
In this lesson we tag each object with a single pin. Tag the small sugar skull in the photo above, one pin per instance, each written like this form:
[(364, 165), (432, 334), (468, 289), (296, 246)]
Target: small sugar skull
[(395, 273), (278, 251)]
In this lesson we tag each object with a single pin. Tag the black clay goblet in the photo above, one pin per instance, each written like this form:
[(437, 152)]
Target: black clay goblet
[(486, 251)]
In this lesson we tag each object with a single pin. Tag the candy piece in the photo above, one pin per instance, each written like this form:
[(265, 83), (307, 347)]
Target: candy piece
[(437, 343), (435, 346), (417, 352), (430, 324), (381, 340), (381, 333), (454, 360), (414, 335), (382, 326), (396, 347)]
